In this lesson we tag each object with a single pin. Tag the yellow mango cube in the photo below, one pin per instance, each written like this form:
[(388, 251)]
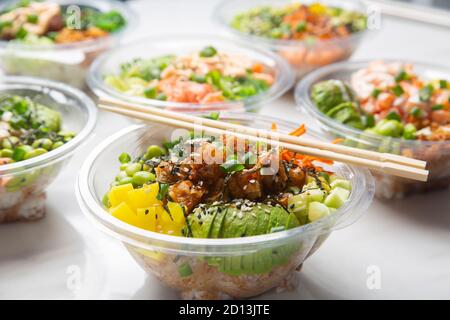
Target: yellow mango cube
[(119, 194), (125, 213), (143, 197), (147, 218), (177, 213), (167, 224)]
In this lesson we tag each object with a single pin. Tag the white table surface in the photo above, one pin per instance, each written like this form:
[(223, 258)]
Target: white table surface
[(408, 241)]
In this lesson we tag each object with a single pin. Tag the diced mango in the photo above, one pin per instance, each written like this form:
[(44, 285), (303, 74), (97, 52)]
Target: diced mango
[(125, 213), (141, 208), (119, 194), (155, 255), (177, 213), (147, 218), (143, 197)]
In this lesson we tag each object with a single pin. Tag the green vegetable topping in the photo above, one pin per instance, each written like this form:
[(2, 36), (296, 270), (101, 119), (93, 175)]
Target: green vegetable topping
[(124, 158), (426, 92), (416, 112), (398, 90), (185, 270), (208, 52)]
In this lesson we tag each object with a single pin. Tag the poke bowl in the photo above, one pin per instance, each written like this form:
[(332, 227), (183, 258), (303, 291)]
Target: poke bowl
[(59, 39), (42, 124), (398, 107), (193, 240), (191, 73), (308, 34)]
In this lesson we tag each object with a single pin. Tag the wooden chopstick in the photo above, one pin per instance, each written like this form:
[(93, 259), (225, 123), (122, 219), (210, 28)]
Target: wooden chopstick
[(385, 167), (371, 155)]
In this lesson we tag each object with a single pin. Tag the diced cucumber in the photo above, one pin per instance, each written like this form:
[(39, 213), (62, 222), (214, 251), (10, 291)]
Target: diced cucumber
[(333, 200), (334, 177), (315, 195), (298, 201), (344, 194), (341, 183), (317, 210)]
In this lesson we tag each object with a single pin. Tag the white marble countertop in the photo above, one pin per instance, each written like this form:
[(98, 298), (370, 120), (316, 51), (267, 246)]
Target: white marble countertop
[(407, 241)]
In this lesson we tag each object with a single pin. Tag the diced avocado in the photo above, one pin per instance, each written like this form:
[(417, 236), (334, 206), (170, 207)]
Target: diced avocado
[(317, 210), (333, 200), (341, 183)]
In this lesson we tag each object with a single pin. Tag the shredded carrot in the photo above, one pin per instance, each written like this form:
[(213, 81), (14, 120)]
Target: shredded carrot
[(274, 126), (303, 160), (337, 141), (299, 131)]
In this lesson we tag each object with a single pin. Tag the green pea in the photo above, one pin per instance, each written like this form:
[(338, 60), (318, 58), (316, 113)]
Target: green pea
[(7, 153), (57, 144), (123, 166), (132, 168), (125, 180), (34, 153), (121, 175), (43, 143), (10, 142), (142, 177), (154, 151)]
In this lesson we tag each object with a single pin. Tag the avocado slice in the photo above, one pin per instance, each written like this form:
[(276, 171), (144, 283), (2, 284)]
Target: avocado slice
[(343, 112), (227, 221)]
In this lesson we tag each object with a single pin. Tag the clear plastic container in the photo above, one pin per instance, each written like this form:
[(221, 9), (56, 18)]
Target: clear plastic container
[(147, 48), (68, 63), (436, 153), (303, 56), (162, 255), (23, 184)]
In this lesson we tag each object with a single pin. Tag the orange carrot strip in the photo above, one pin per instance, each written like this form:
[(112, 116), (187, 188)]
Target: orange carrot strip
[(274, 126), (337, 141), (299, 131)]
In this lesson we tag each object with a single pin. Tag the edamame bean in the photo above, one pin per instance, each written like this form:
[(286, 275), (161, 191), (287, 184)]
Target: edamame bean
[(125, 180), (19, 152), (124, 158), (10, 142), (132, 168), (34, 153), (154, 151), (7, 153), (43, 143), (121, 175), (57, 144), (142, 177)]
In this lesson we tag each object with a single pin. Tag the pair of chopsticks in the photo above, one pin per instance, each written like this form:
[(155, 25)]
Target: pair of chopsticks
[(382, 162)]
